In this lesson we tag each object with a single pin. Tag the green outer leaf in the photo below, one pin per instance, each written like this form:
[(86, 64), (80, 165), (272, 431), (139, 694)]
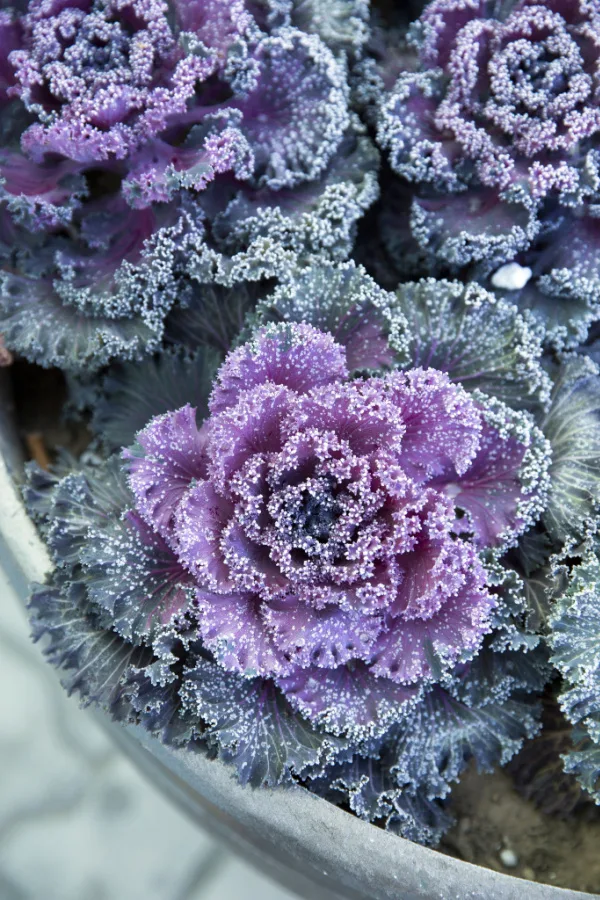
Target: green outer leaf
[(135, 577), (77, 502), (345, 301), (584, 763), (434, 743), (373, 793), (575, 641), (41, 325), (575, 637), (480, 341), (94, 659), (132, 394), (573, 428), (544, 577), (213, 315)]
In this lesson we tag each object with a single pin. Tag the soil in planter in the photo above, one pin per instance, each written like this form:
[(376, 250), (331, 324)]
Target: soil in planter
[(39, 396), (496, 827)]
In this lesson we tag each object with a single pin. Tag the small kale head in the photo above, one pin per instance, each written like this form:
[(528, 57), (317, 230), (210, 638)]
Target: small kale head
[(497, 127)]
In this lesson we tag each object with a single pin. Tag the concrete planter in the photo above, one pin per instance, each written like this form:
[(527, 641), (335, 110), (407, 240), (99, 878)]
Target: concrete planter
[(309, 845)]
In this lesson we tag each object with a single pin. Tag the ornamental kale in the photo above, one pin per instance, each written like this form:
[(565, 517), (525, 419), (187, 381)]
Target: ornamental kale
[(137, 136), (498, 129), (313, 515), (311, 574), (524, 71)]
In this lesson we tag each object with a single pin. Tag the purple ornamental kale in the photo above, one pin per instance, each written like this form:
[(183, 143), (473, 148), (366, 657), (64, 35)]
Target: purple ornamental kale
[(508, 92), (317, 517), (103, 77), (181, 93), (499, 126), (136, 133), (498, 129)]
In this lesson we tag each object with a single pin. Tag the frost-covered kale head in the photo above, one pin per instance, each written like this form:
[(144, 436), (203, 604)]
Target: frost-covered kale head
[(317, 517), (499, 130), (302, 562), (136, 135), (160, 87), (507, 95)]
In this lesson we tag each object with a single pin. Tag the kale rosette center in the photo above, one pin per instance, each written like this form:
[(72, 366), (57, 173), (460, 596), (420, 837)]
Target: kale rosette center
[(506, 98), (104, 77), (538, 83)]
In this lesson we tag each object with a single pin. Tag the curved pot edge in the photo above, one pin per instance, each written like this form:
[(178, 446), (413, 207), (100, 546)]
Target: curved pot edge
[(313, 837)]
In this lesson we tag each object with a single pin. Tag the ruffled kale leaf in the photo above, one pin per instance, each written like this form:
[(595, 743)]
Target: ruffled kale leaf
[(341, 24), (134, 577), (93, 659), (479, 341), (130, 394), (417, 818), (37, 323), (432, 747), (575, 642), (544, 576), (38, 493), (506, 488), (213, 316), (555, 281), (476, 227), (572, 426), (372, 792), (485, 714), (80, 501), (130, 572), (316, 220), (343, 300), (157, 707), (584, 763), (254, 726)]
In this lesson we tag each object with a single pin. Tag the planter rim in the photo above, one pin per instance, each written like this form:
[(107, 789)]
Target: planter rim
[(302, 839)]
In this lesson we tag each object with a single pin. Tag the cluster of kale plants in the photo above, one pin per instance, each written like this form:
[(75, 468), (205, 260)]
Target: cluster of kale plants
[(340, 522)]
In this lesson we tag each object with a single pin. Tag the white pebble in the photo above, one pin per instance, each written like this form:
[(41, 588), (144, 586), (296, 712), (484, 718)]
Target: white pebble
[(509, 858), (511, 277)]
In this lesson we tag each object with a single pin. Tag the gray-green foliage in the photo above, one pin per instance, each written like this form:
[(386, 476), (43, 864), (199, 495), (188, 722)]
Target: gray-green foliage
[(572, 426), (575, 641), (480, 341)]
